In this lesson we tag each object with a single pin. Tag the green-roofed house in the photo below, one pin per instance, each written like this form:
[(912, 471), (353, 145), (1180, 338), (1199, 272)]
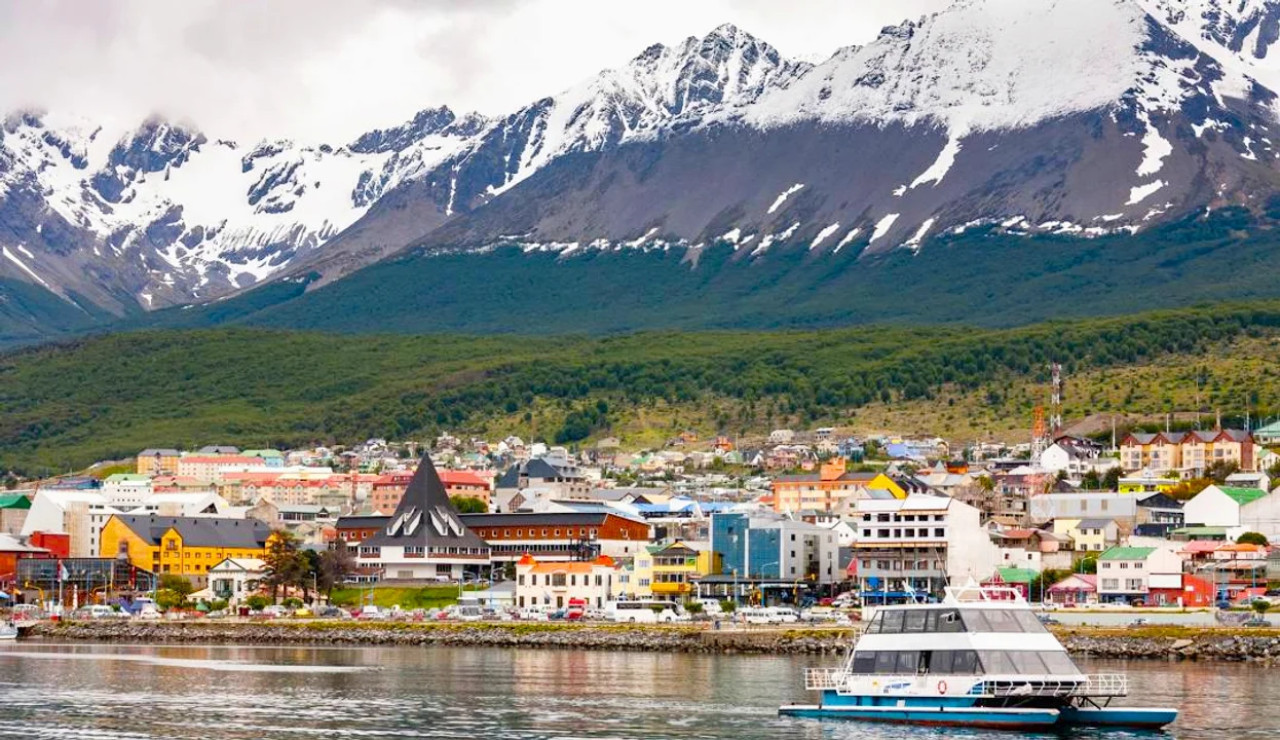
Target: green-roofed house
[(1126, 574), (1268, 435), (1237, 509), (1017, 578), (13, 512)]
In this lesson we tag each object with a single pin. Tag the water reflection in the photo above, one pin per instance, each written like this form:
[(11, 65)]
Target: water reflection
[(181, 692)]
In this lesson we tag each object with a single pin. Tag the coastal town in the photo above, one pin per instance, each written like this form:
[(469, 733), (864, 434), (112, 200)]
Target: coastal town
[(794, 527)]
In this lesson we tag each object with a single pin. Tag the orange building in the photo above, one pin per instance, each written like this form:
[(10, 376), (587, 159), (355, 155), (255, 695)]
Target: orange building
[(821, 491)]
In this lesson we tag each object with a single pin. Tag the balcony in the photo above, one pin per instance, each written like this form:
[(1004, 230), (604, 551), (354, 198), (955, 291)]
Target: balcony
[(670, 588)]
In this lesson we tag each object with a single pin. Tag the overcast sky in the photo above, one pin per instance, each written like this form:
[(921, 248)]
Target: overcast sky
[(329, 69)]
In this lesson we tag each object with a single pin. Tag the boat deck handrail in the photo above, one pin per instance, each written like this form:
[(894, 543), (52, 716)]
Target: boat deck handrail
[(1093, 685), (822, 679)]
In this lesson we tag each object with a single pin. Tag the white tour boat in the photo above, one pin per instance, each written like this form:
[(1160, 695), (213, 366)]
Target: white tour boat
[(981, 658)]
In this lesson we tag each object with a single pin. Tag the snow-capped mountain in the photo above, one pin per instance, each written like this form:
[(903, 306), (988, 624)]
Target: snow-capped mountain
[(1075, 117), (1083, 117), (166, 214)]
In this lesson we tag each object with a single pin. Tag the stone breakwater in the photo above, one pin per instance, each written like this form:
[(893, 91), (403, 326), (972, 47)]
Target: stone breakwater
[(1150, 644), (508, 635)]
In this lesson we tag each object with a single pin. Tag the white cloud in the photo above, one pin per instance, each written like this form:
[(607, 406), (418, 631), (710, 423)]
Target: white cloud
[(330, 69)]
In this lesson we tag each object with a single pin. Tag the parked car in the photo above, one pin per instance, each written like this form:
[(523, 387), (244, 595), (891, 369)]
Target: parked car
[(332, 612), (1255, 622)]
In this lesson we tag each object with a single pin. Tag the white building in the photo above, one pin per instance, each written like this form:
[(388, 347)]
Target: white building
[(424, 539), (556, 584), (126, 490), (1238, 509), (1075, 459), (1126, 573), (236, 579), (920, 543), (80, 514), (1123, 507)]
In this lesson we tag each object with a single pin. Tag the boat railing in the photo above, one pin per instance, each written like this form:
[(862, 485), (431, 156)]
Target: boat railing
[(823, 679), (1095, 685), (1102, 684)]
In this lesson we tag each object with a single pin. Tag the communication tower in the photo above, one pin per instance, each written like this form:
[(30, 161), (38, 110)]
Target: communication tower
[(1055, 400)]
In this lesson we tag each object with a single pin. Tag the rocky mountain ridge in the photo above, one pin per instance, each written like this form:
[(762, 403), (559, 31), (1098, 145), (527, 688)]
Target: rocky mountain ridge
[(1081, 118)]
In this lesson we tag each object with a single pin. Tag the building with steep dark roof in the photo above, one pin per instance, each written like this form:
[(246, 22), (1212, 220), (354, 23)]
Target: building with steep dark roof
[(182, 545), (425, 538)]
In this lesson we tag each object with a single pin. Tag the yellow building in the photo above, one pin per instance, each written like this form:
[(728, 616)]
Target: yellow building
[(155, 462), (1088, 535), (185, 546), (671, 571)]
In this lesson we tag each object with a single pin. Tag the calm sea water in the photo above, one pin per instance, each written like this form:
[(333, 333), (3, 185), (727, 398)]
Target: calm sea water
[(111, 691)]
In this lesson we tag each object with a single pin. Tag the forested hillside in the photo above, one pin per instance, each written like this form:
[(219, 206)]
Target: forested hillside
[(64, 406)]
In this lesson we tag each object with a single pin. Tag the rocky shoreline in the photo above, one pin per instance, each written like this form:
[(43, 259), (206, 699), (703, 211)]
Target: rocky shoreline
[(1144, 644)]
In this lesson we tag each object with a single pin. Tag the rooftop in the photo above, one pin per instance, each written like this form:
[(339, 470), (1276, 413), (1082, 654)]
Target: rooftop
[(1127, 553), (1242, 496)]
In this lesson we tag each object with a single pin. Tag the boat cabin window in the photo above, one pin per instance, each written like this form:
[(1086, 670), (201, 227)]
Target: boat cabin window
[(896, 621), (1001, 620), (911, 662), (962, 662)]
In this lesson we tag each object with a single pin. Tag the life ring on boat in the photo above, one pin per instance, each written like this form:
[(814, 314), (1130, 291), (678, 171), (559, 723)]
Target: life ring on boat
[(942, 687)]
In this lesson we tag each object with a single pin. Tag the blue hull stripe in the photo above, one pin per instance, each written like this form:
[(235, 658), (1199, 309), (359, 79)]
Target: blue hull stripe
[(944, 717)]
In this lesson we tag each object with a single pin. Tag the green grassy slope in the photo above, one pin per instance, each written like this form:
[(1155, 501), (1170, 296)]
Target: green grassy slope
[(29, 313), (64, 406)]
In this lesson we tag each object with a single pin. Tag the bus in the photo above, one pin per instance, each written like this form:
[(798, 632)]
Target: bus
[(645, 610)]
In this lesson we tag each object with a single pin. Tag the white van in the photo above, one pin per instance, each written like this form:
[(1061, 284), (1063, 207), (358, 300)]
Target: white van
[(757, 615), (711, 607), (784, 615)]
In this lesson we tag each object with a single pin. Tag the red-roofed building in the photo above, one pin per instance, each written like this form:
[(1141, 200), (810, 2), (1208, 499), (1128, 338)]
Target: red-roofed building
[(389, 488), (556, 584), (465, 484)]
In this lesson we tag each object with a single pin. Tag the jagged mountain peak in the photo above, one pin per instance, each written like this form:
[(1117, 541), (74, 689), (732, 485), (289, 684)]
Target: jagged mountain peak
[(1085, 117), (427, 122)]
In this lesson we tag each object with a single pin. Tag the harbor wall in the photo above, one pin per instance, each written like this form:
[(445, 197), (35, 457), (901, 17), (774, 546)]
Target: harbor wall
[(1153, 643)]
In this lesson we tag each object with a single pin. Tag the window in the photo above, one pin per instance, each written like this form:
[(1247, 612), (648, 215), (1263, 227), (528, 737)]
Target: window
[(886, 662)]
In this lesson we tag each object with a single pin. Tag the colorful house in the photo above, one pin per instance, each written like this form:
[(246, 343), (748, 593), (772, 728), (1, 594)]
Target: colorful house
[(155, 462), (1125, 574), (672, 570), (823, 490), (557, 584), (185, 546), (1191, 592), (1016, 578), (1077, 588), (1189, 452)]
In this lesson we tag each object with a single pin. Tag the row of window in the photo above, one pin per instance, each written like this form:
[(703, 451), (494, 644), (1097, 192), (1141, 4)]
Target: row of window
[(1130, 584), (897, 518), (901, 565), (570, 579), (903, 621), (373, 551), (904, 533), (963, 662), (570, 532)]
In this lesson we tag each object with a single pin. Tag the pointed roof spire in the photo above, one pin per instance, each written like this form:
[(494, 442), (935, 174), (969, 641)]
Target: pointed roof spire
[(426, 517)]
